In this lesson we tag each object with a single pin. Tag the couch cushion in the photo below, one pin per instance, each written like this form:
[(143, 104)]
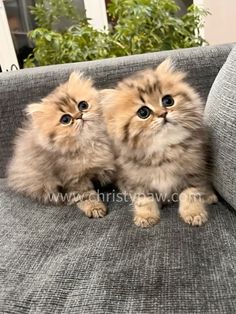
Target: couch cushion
[(19, 88), (56, 260), (220, 117)]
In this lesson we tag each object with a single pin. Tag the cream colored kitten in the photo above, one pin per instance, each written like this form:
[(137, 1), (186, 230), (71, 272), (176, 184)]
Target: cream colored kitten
[(62, 147), (155, 121)]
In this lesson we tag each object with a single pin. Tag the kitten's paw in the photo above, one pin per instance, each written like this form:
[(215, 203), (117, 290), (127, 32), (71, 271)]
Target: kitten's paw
[(195, 215), (93, 209), (147, 213), (97, 212), (211, 199), (145, 222), (196, 220)]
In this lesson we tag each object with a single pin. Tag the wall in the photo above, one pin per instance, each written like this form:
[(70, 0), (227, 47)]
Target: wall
[(220, 26)]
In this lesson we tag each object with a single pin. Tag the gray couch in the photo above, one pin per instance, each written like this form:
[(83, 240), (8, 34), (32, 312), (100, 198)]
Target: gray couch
[(56, 260)]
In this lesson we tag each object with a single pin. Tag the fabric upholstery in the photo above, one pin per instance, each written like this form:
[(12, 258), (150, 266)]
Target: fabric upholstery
[(220, 117), (22, 87), (56, 260)]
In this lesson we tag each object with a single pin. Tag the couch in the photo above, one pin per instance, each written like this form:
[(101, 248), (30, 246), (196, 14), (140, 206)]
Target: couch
[(56, 260)]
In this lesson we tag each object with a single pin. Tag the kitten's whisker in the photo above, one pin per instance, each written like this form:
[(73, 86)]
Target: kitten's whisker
[(191, 126), (155, 125), (78, 126)]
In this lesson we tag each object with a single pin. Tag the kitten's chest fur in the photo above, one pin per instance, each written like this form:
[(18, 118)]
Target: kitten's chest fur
[(86, 161), (165, 171)]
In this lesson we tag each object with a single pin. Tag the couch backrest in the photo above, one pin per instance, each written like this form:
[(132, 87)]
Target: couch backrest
[(220, 119), (17, 89)]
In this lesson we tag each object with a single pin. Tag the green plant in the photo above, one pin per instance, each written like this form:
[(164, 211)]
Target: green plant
[(139, 26), (47, 13)]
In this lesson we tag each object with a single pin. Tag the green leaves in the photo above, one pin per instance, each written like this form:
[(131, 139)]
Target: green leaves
[(139, 26), (49, 12)]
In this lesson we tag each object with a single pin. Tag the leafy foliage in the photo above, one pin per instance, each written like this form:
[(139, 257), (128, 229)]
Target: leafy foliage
[(47, 13), (139, 26)]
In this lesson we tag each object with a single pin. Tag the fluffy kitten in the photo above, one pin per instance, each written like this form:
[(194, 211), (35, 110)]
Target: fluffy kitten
[(155, 120), (62, 147)]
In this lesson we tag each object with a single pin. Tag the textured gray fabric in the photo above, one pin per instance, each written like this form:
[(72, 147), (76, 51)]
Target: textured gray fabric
[(22, 87), (220, 117), (56, 260)]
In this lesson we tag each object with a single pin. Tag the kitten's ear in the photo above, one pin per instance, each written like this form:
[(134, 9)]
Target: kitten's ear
[(75, 77), (106, 92), (79, 77), (77, 81), (33, 108), (165, 67), (106, 95)]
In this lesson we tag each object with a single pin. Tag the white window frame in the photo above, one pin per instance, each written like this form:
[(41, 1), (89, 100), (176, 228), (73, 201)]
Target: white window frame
[(96, 11), (200, 3), (8, 59)]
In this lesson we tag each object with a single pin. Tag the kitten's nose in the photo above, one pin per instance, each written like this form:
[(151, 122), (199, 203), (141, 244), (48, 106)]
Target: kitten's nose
[(162, 114), (79, 116)]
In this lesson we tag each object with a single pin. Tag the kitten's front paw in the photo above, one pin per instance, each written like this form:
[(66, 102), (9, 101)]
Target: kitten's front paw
[(93, 209), (97, 212), (211, 199), (147, 213), (194, 215), (145, 222)]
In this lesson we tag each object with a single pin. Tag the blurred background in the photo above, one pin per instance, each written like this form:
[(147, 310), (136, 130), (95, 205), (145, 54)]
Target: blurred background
[(40, 32)]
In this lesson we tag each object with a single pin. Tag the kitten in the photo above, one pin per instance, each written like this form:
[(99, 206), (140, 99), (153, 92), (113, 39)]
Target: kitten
[(62, 147), (155, 121)]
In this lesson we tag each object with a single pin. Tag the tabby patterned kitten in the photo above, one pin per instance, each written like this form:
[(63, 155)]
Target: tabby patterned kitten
[(155, 121), (62, 147)]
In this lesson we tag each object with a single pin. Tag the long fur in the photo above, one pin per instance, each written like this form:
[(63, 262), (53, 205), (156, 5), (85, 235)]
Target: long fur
[(51, 158), (155, 155)]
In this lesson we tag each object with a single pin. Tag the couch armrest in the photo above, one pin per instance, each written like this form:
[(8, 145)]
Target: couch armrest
[(25, 86)]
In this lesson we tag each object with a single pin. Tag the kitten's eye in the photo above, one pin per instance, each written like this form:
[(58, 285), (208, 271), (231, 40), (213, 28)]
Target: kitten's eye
[(66, 119), (144, 112), (83, 105), (167, 101)]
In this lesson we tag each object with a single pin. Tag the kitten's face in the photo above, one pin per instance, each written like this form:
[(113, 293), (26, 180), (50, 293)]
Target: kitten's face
[(152, 106), (68, 115)]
